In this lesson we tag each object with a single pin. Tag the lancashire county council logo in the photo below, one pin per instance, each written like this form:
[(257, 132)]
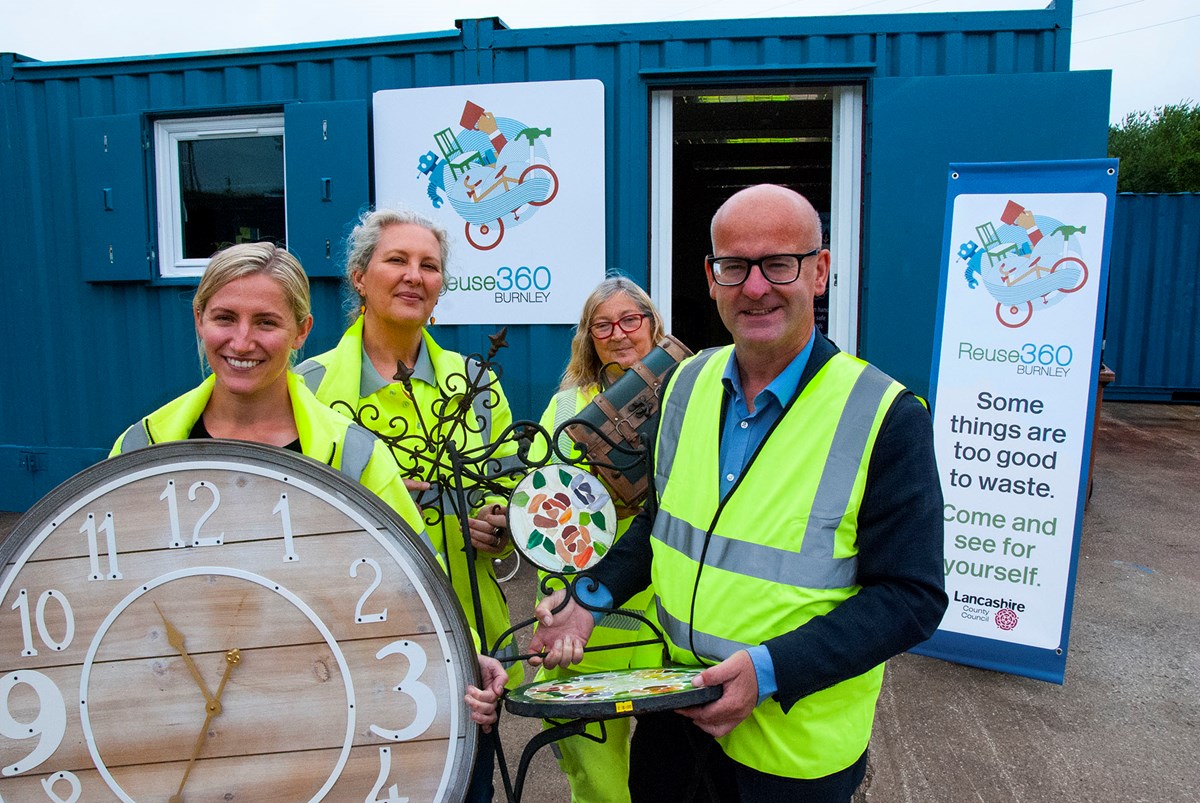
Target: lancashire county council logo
[(1027, 262), (490, 177), (1006, 618)]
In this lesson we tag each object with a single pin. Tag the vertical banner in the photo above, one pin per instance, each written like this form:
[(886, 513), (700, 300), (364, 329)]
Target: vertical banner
[(1013, 389), (515, 172)]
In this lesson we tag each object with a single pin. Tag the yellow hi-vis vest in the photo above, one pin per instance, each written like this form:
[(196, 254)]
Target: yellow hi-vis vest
[(780, 550), (335, 377)]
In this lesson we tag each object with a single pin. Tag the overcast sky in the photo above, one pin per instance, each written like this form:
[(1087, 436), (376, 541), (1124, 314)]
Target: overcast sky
[(1150, 45)]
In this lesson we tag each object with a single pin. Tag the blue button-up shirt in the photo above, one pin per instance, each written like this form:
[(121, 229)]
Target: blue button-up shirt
[(741, 435), (744, 431)]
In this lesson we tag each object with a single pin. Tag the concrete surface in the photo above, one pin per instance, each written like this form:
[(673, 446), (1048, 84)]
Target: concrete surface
[(1125, 725)]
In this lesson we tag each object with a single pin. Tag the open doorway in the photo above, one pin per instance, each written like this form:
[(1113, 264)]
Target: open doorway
[(708, 144)]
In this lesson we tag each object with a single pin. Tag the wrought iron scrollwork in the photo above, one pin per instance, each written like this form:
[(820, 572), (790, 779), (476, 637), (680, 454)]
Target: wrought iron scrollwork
[(433, 447)]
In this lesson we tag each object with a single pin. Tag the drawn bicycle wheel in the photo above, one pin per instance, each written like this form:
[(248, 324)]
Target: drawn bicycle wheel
[(486, 235), (1014, 316), (1082, 267), (553, 182)]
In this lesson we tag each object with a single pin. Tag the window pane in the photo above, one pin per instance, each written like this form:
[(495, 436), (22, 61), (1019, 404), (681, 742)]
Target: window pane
[(231, 192)]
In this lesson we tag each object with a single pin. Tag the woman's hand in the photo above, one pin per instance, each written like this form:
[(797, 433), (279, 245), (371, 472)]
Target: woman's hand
[(416, 486), (482, 702), (489, 533)]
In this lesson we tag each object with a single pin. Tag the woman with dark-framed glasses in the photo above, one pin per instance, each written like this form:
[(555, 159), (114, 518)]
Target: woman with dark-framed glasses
[(618, 327)]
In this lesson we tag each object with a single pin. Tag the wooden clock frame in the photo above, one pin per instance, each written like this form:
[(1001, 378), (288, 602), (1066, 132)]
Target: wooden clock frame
[(221, 620)]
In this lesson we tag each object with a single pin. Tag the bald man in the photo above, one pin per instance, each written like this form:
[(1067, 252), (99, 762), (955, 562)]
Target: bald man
[(794, 537)]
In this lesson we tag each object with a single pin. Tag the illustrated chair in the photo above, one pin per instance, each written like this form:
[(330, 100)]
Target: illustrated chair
[(454, 154), (991, 242)]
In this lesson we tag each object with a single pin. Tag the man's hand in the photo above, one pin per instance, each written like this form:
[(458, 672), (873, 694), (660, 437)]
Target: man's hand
[(736, 674), (560, 636), (482, 702)]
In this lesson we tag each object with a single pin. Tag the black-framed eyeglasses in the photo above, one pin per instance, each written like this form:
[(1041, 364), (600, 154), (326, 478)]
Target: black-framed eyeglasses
[(776, 268), (628, 323)]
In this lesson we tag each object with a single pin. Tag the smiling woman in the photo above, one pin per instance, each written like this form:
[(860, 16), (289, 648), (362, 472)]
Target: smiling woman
[(252, 311)]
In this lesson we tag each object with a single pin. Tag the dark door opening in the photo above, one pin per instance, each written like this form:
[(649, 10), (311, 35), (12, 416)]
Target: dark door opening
[(725, 141)]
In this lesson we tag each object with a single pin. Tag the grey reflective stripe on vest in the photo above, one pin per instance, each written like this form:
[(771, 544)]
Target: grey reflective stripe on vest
[(436, 496), (757, 560), (483, 413), (502, 466), (620, 621), (136, 437), (819, 569), (357, 447), (672, 416), (564, 411), (312, 372), (705, 644), (446, 499), (427, 541), (841, 469), (508, 652)]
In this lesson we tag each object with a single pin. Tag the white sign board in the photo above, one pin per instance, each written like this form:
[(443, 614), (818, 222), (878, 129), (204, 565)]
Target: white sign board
[(515, 172), (1015, 373)]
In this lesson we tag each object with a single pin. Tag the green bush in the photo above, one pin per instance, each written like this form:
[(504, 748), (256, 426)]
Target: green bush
[(1159, 150)]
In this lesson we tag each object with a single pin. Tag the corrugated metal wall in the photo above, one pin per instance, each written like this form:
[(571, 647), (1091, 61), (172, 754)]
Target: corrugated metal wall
[(1152, 330), (81, 360)]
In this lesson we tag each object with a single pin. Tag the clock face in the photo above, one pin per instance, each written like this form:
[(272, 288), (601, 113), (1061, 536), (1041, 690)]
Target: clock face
[(211, 620)]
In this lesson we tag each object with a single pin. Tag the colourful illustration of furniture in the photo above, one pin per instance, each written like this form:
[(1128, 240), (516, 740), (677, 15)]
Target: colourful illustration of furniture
[(992, 246), (452, 152)]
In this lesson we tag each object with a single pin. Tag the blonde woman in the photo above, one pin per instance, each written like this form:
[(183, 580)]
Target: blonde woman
[(252, 312)]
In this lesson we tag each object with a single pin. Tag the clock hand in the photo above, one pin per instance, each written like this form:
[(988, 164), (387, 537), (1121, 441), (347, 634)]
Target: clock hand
[(212, 708), (232, 658), (175, 639)]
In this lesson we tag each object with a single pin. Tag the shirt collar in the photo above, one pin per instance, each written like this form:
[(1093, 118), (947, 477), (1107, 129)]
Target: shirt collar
[(372, 382), (782, 387)]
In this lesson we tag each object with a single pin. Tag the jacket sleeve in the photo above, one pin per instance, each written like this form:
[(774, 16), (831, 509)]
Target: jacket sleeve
[(900, 541), (625, 570)]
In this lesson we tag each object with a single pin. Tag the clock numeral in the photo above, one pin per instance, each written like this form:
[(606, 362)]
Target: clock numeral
[(89, 527), (48, 727), (359, 616), (285, 513), (420, 694), (385, 769), (173, 513), (22, 605), (69, 777)]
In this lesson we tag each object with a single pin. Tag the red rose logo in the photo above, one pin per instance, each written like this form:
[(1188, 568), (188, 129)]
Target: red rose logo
[(1006, 618)]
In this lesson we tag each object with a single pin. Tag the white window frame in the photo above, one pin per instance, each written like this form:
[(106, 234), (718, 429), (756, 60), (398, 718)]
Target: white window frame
[(167, 136), (845, 218)]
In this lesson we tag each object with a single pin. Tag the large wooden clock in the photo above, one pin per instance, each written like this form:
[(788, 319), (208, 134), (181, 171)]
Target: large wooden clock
[(211, 620)]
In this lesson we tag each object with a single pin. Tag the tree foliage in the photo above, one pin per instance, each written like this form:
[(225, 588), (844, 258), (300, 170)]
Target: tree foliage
[(1159, 150)]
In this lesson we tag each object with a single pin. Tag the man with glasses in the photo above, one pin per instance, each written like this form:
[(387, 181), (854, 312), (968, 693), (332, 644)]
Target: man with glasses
[(794, 538)]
